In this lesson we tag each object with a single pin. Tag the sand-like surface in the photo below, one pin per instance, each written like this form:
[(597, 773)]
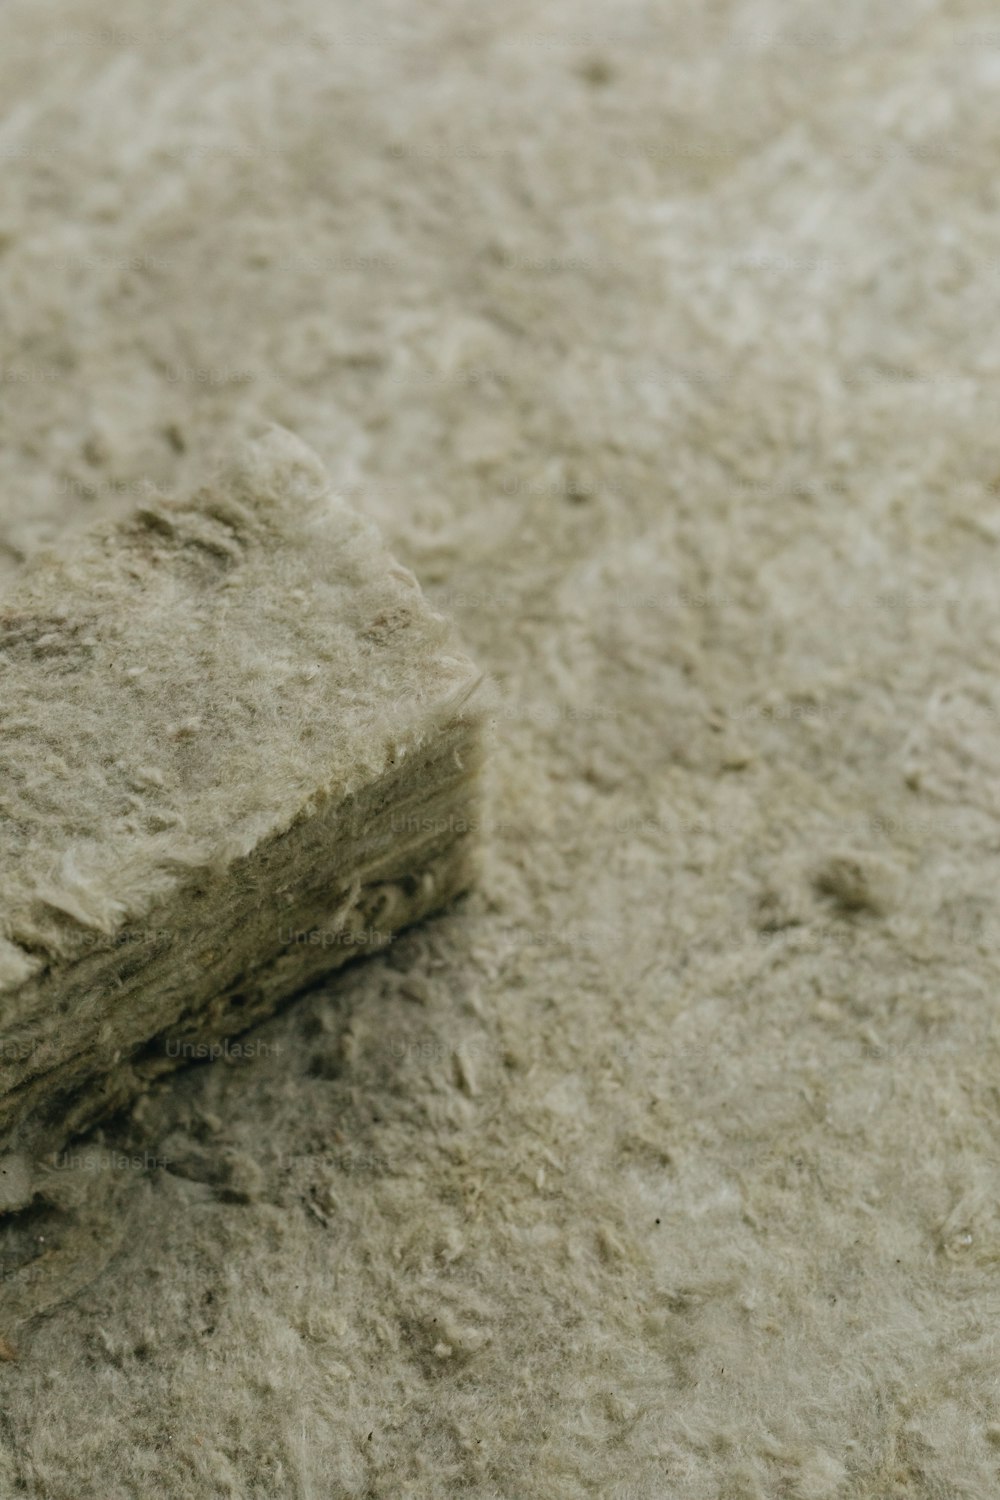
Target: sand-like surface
[(661, 341)]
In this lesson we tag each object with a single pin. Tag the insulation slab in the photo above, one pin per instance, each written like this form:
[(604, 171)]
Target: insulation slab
[(237, 748)]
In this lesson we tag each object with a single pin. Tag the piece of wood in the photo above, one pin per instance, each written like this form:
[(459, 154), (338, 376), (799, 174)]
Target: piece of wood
[(237, 748)]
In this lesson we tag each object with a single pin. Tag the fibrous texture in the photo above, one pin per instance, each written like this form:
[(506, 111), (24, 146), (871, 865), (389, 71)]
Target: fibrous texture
[(237, 748), (660, 340)]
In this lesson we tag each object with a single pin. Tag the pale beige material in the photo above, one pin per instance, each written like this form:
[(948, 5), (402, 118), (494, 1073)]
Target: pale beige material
[(661, 341), (237, 749)]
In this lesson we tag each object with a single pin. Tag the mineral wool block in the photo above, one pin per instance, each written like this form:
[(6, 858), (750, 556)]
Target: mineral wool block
[(237, 748)]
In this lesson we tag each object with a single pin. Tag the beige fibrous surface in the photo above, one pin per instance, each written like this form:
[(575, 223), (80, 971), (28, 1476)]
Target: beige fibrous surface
[(659, 342), (237, 750)]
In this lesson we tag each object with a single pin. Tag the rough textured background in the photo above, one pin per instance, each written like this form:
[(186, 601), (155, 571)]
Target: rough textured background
[(661, 341)]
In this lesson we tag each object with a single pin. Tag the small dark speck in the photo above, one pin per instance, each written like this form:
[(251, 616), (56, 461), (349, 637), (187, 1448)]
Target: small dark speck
[(597, 71), (657, 1221), (370, 1435)]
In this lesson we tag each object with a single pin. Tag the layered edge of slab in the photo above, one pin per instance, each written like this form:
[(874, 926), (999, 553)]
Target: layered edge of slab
[(239, 706)]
